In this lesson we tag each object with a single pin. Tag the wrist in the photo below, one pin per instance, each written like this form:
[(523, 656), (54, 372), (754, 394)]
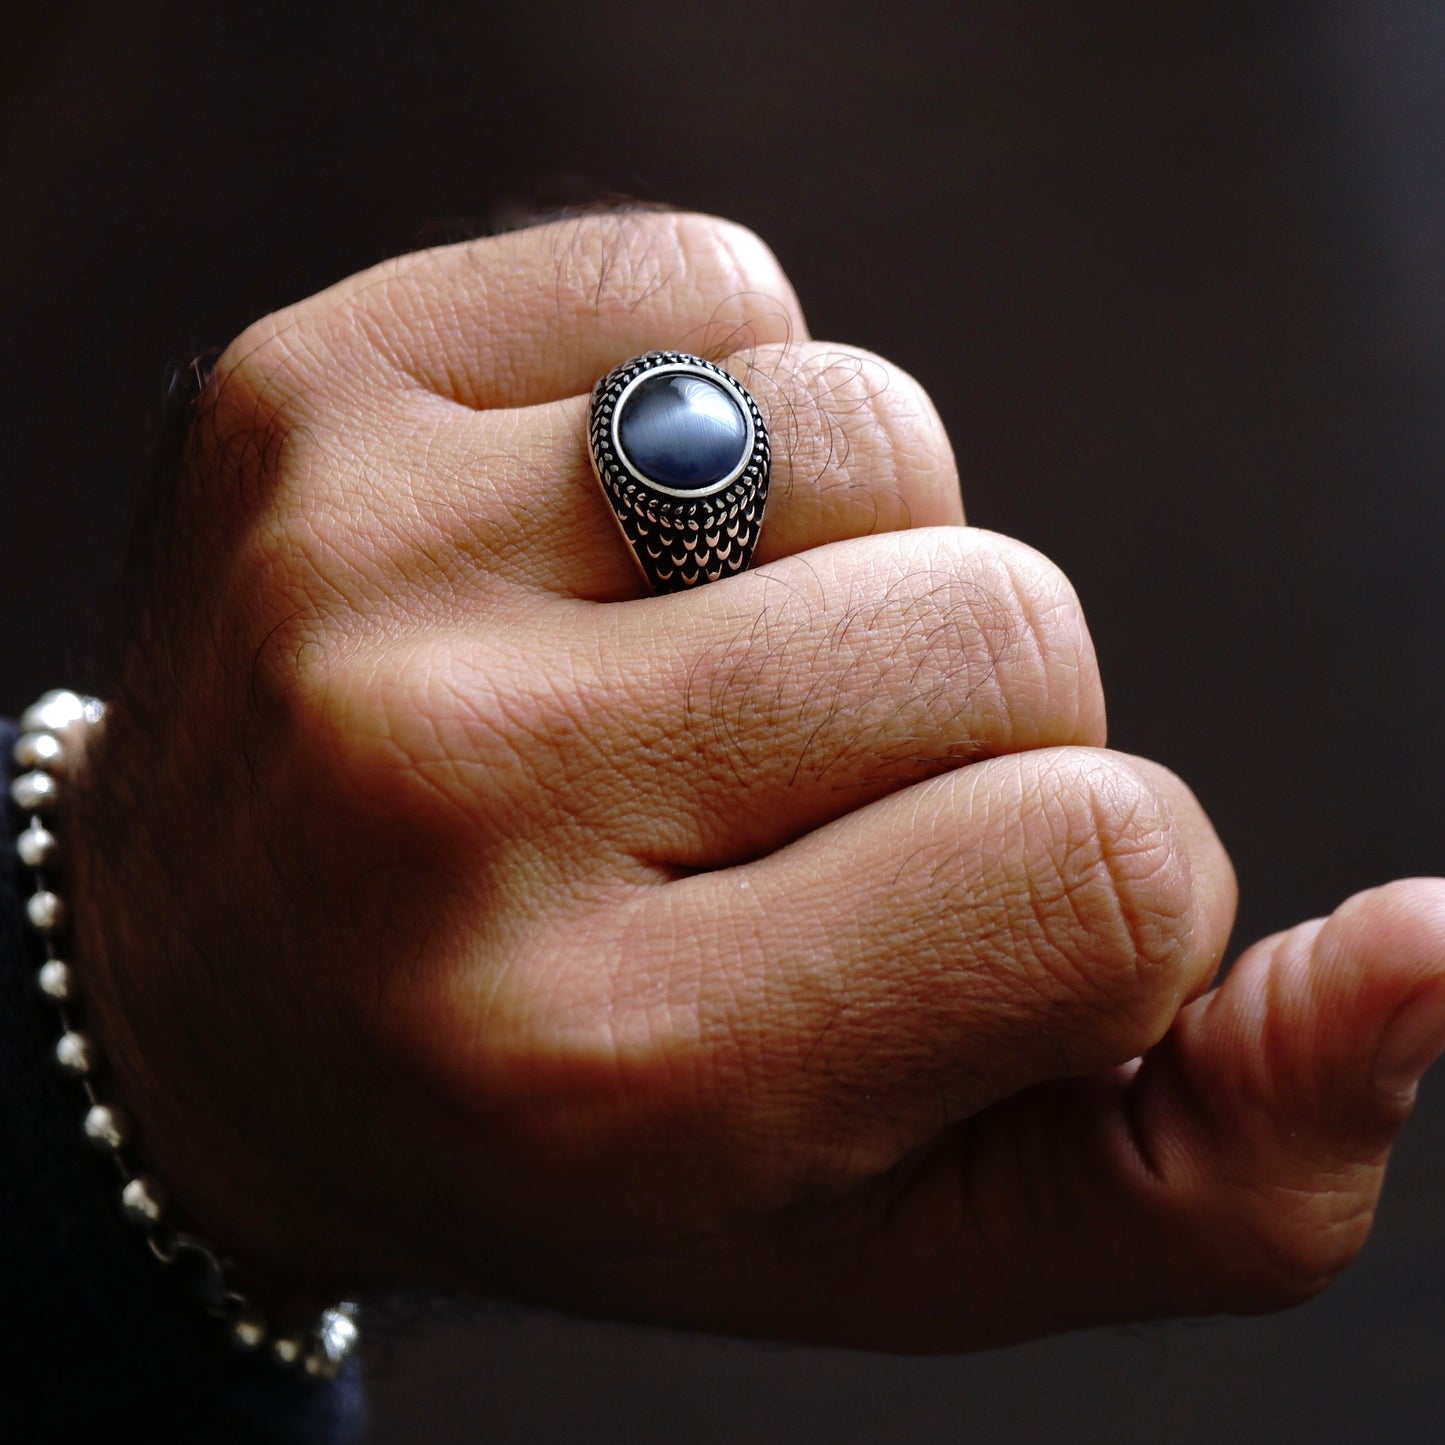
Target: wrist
[(121, 1047)]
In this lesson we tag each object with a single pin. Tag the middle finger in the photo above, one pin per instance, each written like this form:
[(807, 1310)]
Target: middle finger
[(696, 730)]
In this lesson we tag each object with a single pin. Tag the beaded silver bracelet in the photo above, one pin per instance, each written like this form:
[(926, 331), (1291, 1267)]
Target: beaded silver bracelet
[(53, 734)]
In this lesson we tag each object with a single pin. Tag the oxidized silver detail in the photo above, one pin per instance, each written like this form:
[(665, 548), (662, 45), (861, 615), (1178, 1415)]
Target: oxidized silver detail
[(680, 539)]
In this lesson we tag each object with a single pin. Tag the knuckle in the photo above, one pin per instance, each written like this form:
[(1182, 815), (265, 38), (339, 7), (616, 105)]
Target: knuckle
[(614, 260), (256, 402), (854, 430), (975, 640), (261, 371), (953, 619), (1008, 620), (911, 433), (729, 255), (283, 608), (1059, 695), (876, 671), (350, 718), (296, 671), (1113, 913), (887, 661)]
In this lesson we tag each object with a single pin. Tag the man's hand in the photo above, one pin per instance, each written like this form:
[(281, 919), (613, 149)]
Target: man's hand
[(788, 957)]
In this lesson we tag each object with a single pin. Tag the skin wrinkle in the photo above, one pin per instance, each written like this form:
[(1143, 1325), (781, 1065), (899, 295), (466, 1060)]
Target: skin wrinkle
[(748, 662), (843, 1151), (375, 331), (927, 704), (1190, 1173), (1061, 613), (1135, 1136), (819, 700), (1155, 906), (1094, 894), (739, 266), (611, 249), (1296, 963), (467, 538), (855, 1028), (732, 667), (391, 281), (838, 450), (868, 401), (766, 630), (944, 960), (1308, 1234), (243, 449), (538, 732), (983, 618)]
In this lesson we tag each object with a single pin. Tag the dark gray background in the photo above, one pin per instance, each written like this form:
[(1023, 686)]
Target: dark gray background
[(1174, 277)]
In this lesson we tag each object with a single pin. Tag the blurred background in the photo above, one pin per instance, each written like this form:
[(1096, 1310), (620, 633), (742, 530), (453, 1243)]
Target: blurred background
[(1175, 276)]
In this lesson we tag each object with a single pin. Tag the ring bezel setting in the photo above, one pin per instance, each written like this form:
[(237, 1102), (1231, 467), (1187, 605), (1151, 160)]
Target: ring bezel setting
[(680, 538)]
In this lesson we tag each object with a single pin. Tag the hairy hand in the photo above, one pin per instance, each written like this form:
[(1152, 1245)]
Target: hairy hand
[(788, 957)]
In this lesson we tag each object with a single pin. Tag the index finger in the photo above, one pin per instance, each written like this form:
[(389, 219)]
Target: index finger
[(538, 315)]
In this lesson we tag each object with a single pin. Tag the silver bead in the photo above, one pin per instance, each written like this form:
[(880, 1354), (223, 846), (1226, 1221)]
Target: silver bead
[(44, 910), (332, 1342), (76, 1052), (143, 1200), (54, 712), (107, 1127), (35, 792), (38, 750), (287, 1349), (37, 845), (337, 1333), (248, 1329), (57, 980)]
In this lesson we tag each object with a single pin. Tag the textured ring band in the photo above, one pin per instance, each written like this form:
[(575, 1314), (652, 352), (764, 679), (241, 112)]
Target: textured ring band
[(681, 451)]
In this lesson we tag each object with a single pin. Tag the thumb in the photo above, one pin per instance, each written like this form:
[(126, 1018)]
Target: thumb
[(1268, 1113), (1235, 1167)]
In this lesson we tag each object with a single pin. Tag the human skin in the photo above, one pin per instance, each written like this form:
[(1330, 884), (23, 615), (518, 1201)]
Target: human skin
[(786, 958)]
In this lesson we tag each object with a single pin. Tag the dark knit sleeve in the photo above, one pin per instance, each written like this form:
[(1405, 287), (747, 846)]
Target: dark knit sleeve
[(97, 1341)]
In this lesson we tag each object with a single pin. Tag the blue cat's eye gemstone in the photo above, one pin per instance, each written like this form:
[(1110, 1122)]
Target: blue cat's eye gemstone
[(682, 431)]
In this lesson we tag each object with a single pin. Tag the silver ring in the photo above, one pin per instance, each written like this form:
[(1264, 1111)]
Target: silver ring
[(681, 451)]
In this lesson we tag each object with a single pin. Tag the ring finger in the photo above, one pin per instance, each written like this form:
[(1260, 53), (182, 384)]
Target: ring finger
[(510, 496)]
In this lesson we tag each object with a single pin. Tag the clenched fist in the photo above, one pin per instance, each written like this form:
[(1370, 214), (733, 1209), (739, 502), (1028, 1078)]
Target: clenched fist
[(788, 957)]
